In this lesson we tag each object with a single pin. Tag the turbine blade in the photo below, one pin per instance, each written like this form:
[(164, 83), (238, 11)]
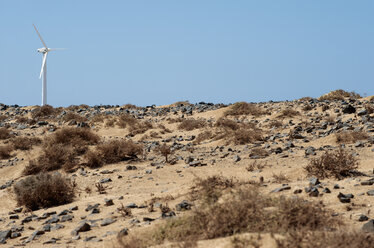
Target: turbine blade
[(41, 39), (43, 64), (55, 49)]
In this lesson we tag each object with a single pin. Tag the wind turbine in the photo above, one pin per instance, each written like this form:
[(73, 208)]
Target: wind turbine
[(43, 72)]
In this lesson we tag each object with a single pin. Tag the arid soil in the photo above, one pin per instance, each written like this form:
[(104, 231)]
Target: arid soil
[(265, 145)]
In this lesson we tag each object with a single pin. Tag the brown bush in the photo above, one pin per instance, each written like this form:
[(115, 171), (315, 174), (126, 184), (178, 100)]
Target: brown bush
[(227, 123), (369, 108), (339, 95), (140, 127), (288, 113), (242, 134), (322, 239), (44, 190), (280, 178), (243, 210), (25, 143), (338, 164), (258, 151), (275, 124), (351, 136), (78, 138), (205, 135), (113, 152), (307, 107), (125, 120), (71, 116), (25, 120), (54, 157), (4, 133), (191, 124), (3, 117), (165, 151), (5, 151), (243, 108), (45, 111)]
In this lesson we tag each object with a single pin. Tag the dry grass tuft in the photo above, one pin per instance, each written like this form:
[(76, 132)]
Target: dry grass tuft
[(113, 152), (338, 164), (4, 133), (205, 135), (25, 143), (339, 95), (351, 136), (322, 239), (243, 108), (6, 151), (288, 113), (45, 111), (44, 190), (244, 209), (191, 124), (237, 133), (71, 116), (53, 157)]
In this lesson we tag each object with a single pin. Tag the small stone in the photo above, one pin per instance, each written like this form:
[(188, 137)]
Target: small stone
[(107, 221), (108, 202), (67, 218), (326, 190), (184, 205), (368, 226), (82, 227), (280, 189), (362, 218)]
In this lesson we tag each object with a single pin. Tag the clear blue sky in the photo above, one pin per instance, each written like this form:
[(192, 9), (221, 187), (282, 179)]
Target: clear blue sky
[(162, 51)]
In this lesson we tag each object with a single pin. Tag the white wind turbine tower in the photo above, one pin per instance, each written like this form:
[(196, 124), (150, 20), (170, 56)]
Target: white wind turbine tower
[(43, 72)]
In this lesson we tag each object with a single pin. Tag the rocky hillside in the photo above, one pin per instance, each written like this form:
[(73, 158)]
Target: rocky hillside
[(273, 174)]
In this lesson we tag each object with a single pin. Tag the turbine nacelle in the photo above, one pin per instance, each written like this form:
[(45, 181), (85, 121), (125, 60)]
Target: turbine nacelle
[(43, 50)]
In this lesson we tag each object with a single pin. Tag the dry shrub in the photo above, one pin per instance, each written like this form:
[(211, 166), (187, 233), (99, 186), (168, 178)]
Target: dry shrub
[(351, 136), (6, 151), (44, 190), (255, 165), (259, 151), (130, 106), (25, 143), (227, 123), (322, 239), (125, 119), (4, 133), (77, 107), (181, 103), (140, 127), (3, 117), (71, 116), (191, 124), (306, 98), (25, 120), (243, 108), (275, 124), (338, 164), (369, 108), (280, 178), (339, 95), (113, 152), (165, 151), (53, 157), (307, 107), (99, 118), (211, 188), (288, 113), (205, 135), (243, 210), (237, 133), (45, 111), (78, 138), (174, 120)]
